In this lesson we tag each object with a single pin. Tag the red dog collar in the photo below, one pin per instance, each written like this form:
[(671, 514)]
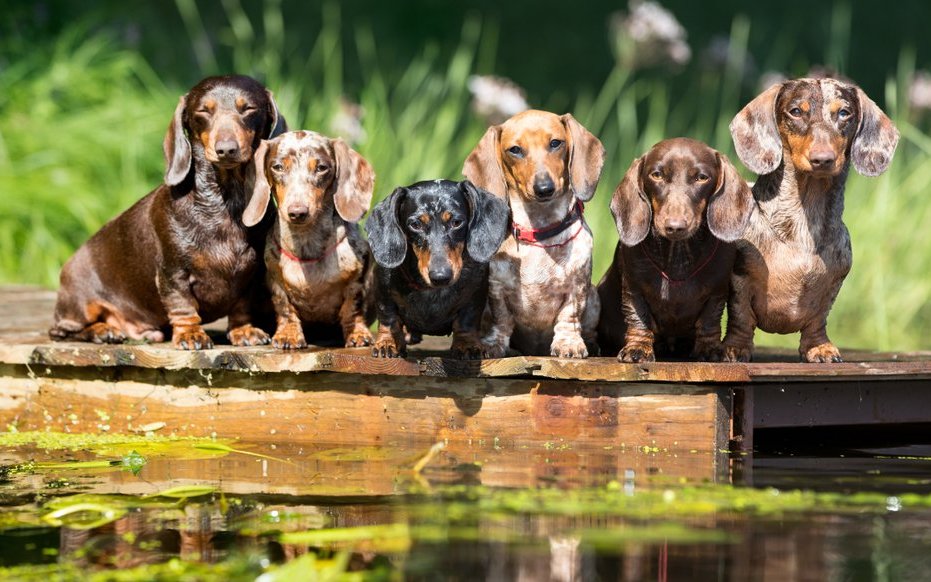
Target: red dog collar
[(535, 235), (286, 253)]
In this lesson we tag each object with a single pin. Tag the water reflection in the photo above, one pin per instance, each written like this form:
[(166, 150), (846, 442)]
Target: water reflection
[(458, 520)]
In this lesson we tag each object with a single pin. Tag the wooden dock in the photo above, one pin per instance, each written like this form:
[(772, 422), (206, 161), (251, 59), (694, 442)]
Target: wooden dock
[(345, 397)]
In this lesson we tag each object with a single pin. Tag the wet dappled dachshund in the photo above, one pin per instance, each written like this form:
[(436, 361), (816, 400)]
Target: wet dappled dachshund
[(432, 242), (181, 255), (541, 297), (316, 258), (801, 137), (678, 210)]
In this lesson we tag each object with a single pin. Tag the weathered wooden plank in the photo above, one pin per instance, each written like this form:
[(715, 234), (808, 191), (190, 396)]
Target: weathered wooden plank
[(357, 409)]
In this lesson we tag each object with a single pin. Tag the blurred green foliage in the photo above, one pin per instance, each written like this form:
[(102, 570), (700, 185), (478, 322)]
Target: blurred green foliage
[(87, 90)]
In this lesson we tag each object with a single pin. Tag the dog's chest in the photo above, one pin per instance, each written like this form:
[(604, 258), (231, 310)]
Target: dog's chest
[(317, 288)]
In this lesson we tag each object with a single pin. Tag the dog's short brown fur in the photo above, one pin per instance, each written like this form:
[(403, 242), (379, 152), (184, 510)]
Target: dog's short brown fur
[(678, 210), (540, 295), (801, 137), (181, 255), (316, 257)]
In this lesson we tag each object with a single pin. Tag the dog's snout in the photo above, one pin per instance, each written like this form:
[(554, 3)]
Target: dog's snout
[(227, 149), (822, 158), (543, 186), (676, 225), (298, 212), (441, 275)]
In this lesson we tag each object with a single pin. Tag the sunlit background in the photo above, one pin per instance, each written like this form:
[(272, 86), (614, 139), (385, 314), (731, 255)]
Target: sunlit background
[(87, 90)]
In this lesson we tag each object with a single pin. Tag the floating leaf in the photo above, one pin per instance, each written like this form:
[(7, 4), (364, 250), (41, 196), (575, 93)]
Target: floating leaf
[(220, 447), (134, 462), (84, 515), (184, 491)]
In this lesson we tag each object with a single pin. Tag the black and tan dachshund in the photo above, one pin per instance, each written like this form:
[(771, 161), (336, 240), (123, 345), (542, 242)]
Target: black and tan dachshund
[(181, 255), (432, 242)]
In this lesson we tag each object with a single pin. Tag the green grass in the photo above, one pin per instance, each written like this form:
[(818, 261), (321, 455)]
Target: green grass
[(81, 123)]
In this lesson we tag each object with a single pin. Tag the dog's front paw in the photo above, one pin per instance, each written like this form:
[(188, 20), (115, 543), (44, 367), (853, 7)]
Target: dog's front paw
[(289, 337), (822, 353), (493, 351), (708, 351), (386, 347), (191, 338), (248, 335), (466, 348), (104, 333), (568, 347), (359, 338), (734, 353), (636, 352)]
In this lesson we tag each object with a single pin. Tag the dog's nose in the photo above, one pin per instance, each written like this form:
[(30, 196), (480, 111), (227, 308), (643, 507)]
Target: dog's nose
[(675, 226), (544, 187), (298, 212), (227, 149), (822, 159), (441, 276)]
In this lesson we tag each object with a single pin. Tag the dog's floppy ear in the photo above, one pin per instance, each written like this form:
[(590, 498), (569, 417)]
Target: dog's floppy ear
[(630, 207), (177, 148), (756, 137), (354, 182), (387, 240), (261, 192), (276, 121), (731, 204), (586, 158), (483, 166), (876, 139), (488, 222)]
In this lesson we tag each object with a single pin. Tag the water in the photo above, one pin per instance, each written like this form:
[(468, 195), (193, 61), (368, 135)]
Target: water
[(482, 512)]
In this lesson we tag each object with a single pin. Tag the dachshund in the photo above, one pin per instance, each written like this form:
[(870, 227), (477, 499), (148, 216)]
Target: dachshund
[(432, 242), (678, 211), (181, 255), (315, 256), (800, 137), (541, 298)]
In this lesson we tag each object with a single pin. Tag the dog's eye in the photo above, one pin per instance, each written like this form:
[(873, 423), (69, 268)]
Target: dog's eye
[(656, 175), (322, 168), (456, 223), (515, 151), (702, 178), (843, 114), (203, 111), (415, 225), (554, 144), (248, 109), (795, 112), (278, 166)]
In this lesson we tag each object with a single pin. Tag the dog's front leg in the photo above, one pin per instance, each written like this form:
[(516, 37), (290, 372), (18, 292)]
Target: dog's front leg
[(639, 338), (567, 333), (741, 322), (289, 332), (240, 330), (498, 337), (708, 346), (466, 344), (815, 347), (352, 316), (389, 343), (174, 288)]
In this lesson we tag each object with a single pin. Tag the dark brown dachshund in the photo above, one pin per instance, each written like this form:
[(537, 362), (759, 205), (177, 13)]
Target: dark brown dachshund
[(678, 210), (316, 257), (801, 137), (181, 255)]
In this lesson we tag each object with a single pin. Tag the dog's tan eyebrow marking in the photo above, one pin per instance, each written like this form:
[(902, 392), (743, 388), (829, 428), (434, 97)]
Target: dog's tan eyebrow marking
[(424, 218), (446, 216)]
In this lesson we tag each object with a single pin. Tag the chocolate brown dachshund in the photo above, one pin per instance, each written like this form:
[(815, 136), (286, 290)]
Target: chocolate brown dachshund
[(181, 255), (678, 210)]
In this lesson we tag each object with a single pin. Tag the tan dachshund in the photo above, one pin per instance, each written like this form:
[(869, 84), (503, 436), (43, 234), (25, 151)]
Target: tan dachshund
[(316, 257), (801, 137), (541, 298)]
